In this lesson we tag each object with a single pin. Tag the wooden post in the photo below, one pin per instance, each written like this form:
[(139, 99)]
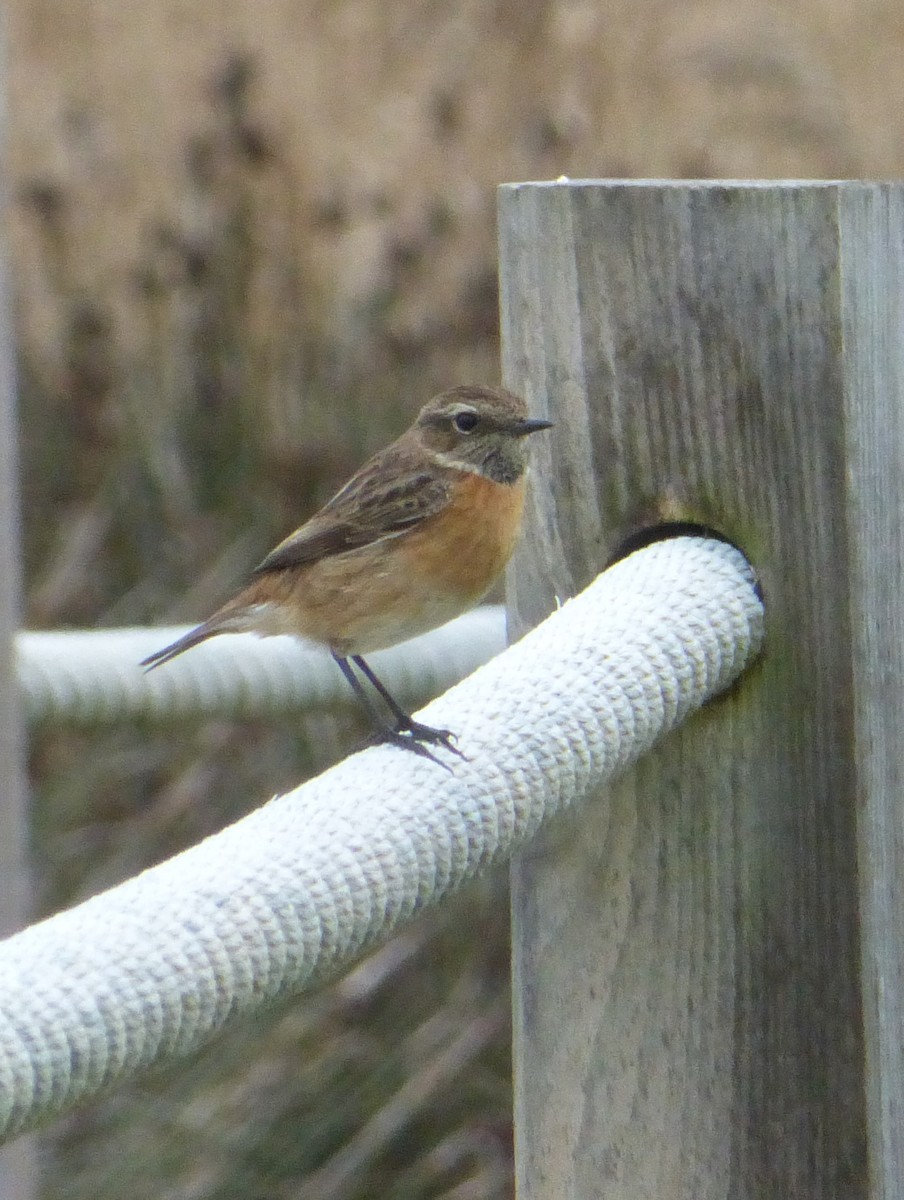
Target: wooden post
[(709, 961), (18, 1173)]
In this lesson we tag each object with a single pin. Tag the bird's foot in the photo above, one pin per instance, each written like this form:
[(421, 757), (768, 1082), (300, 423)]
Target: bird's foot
[(416, 737), (426, 733)]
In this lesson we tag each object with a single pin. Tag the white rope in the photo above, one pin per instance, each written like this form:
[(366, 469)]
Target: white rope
[(93, 678), (150, 970)]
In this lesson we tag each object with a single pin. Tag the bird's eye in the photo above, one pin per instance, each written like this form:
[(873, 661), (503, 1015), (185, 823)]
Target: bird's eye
[(465, 422)]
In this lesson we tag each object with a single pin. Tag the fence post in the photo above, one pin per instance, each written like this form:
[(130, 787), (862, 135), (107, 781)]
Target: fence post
[(708, 971), (18, 1170)]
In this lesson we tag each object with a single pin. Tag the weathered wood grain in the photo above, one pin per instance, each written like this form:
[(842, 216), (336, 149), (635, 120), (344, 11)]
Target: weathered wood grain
[(709, 960)]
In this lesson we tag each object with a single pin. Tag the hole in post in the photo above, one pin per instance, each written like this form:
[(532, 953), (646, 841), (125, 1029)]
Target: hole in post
[(662, 532)]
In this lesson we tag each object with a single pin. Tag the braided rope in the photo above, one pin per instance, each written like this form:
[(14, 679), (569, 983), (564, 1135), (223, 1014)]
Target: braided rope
[(90, 679), (152, 969)]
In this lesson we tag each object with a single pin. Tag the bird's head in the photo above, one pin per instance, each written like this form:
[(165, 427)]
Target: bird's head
[(478, 429)]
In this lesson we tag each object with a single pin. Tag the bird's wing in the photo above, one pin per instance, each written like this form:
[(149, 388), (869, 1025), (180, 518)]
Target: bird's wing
[(369, 509)]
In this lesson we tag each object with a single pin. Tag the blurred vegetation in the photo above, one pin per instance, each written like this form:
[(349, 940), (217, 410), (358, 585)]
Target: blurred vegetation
[(152, 481), (248, 242), (391, 1083)]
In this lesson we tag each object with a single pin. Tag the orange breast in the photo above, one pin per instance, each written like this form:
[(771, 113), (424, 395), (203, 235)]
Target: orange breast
[(398, 587), (464, 548)]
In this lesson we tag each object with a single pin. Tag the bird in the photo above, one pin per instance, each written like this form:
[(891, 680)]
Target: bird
[(417, 536)]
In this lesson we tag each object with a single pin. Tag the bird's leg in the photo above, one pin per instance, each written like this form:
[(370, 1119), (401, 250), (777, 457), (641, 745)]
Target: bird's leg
[(405, 724), (405, 733)]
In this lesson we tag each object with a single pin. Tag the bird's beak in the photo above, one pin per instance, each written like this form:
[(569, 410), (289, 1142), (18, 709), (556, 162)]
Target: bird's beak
[(530, 425)]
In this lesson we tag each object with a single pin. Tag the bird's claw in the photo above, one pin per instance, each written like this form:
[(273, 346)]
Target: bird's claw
[(433, 737), (412, 735)]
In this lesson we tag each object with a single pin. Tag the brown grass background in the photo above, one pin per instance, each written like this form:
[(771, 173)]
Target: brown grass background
[(248, 239)]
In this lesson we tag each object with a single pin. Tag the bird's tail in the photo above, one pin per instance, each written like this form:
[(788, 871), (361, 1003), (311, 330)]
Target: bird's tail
[(248, 612), (192, 638)]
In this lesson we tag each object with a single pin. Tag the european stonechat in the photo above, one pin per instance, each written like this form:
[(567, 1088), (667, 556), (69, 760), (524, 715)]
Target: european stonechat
[(416, 537)]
